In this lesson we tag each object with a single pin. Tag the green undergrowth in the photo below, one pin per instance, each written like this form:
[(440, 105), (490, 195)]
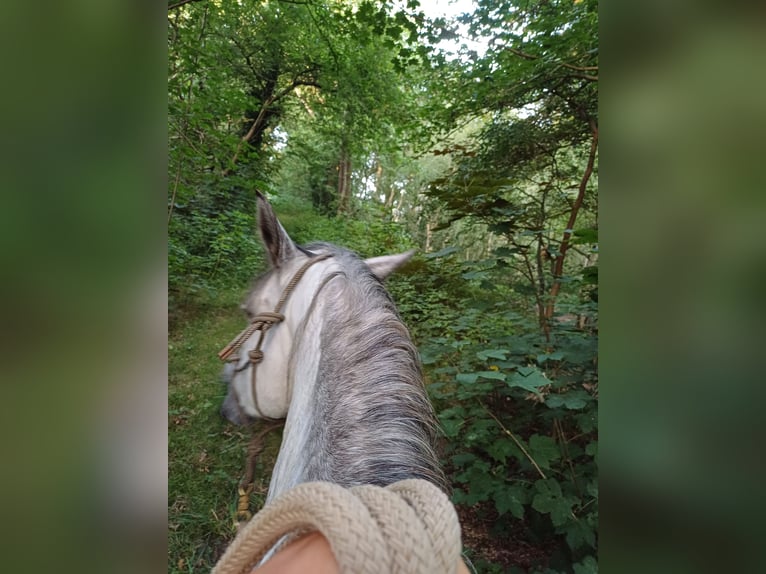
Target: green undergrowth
[(205, 453), (518, 410)]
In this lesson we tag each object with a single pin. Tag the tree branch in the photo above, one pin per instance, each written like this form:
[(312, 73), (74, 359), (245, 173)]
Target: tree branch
[(580, 68), (539, 260), (558, 266), (271, 100), (590, 77), (522, 54), (175, 189), (180, 3), (518, 443), (321, 33)]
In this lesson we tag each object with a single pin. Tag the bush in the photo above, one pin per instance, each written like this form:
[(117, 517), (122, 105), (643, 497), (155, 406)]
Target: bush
[(518, 412)]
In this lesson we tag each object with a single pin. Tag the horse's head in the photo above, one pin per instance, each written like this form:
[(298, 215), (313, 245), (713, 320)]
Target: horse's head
[(279, 303)]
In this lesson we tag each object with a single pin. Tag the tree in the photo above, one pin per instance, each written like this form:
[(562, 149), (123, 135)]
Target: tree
[(536, 88)]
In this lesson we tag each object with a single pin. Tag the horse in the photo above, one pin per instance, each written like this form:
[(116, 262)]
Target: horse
[(327, 350)]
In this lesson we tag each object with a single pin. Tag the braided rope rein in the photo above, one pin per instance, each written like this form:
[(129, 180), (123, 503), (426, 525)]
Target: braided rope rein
[(409, 527)]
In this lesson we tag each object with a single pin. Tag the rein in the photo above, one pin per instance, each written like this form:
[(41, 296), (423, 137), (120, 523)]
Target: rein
[(261, 322)]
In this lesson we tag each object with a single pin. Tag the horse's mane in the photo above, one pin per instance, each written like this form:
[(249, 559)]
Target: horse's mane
[(374, 423)]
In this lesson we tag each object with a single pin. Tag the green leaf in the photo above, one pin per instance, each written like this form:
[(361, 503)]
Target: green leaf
[(578, 534), (472, 496), (511, 499), (501, 354), (457, 411), (429, 356), (586, 235), (555, 356), (458, 495), (507, 251), (479, 481), (592, 488), (494, 375), (574, 400), (592, 448), (480, 431), (587, 566), (450, 425), (501, 449), (544, 450), (587, 421), (549, 500), (528, 378), (480, 274), (463, 458), (526, 371), (471, 378)]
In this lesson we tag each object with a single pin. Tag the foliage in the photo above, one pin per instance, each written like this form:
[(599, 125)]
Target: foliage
[(529, 174), (244, 74), (518, 411)]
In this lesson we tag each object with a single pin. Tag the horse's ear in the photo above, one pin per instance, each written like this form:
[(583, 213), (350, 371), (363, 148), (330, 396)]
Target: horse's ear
[(278, 244), (383, 266)]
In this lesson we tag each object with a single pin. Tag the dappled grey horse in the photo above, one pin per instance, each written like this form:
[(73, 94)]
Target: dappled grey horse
[(326, 349)]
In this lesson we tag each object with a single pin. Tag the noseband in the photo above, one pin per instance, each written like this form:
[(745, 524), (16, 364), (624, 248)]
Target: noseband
[(263, 322)]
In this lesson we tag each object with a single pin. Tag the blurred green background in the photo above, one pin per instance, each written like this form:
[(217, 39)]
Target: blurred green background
[(683, 263)]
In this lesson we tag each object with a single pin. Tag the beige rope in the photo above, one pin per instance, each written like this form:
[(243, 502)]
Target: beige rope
[(264, 321), (409, 527), (246, 485)]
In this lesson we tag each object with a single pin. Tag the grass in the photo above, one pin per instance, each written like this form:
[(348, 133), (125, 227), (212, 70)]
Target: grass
[(205, 453)]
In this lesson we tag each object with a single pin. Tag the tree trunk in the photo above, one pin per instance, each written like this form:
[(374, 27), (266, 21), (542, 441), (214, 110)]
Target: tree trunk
[(558, 266), (379, 180), (390, 198), (341, 186), (344, 181)]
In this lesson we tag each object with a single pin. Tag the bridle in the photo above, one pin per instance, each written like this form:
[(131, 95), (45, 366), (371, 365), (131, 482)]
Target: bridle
[(262, 322)]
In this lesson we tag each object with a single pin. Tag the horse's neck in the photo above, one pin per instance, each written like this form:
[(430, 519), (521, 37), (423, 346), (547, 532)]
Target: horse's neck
[(358, 411), (290, 466)]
